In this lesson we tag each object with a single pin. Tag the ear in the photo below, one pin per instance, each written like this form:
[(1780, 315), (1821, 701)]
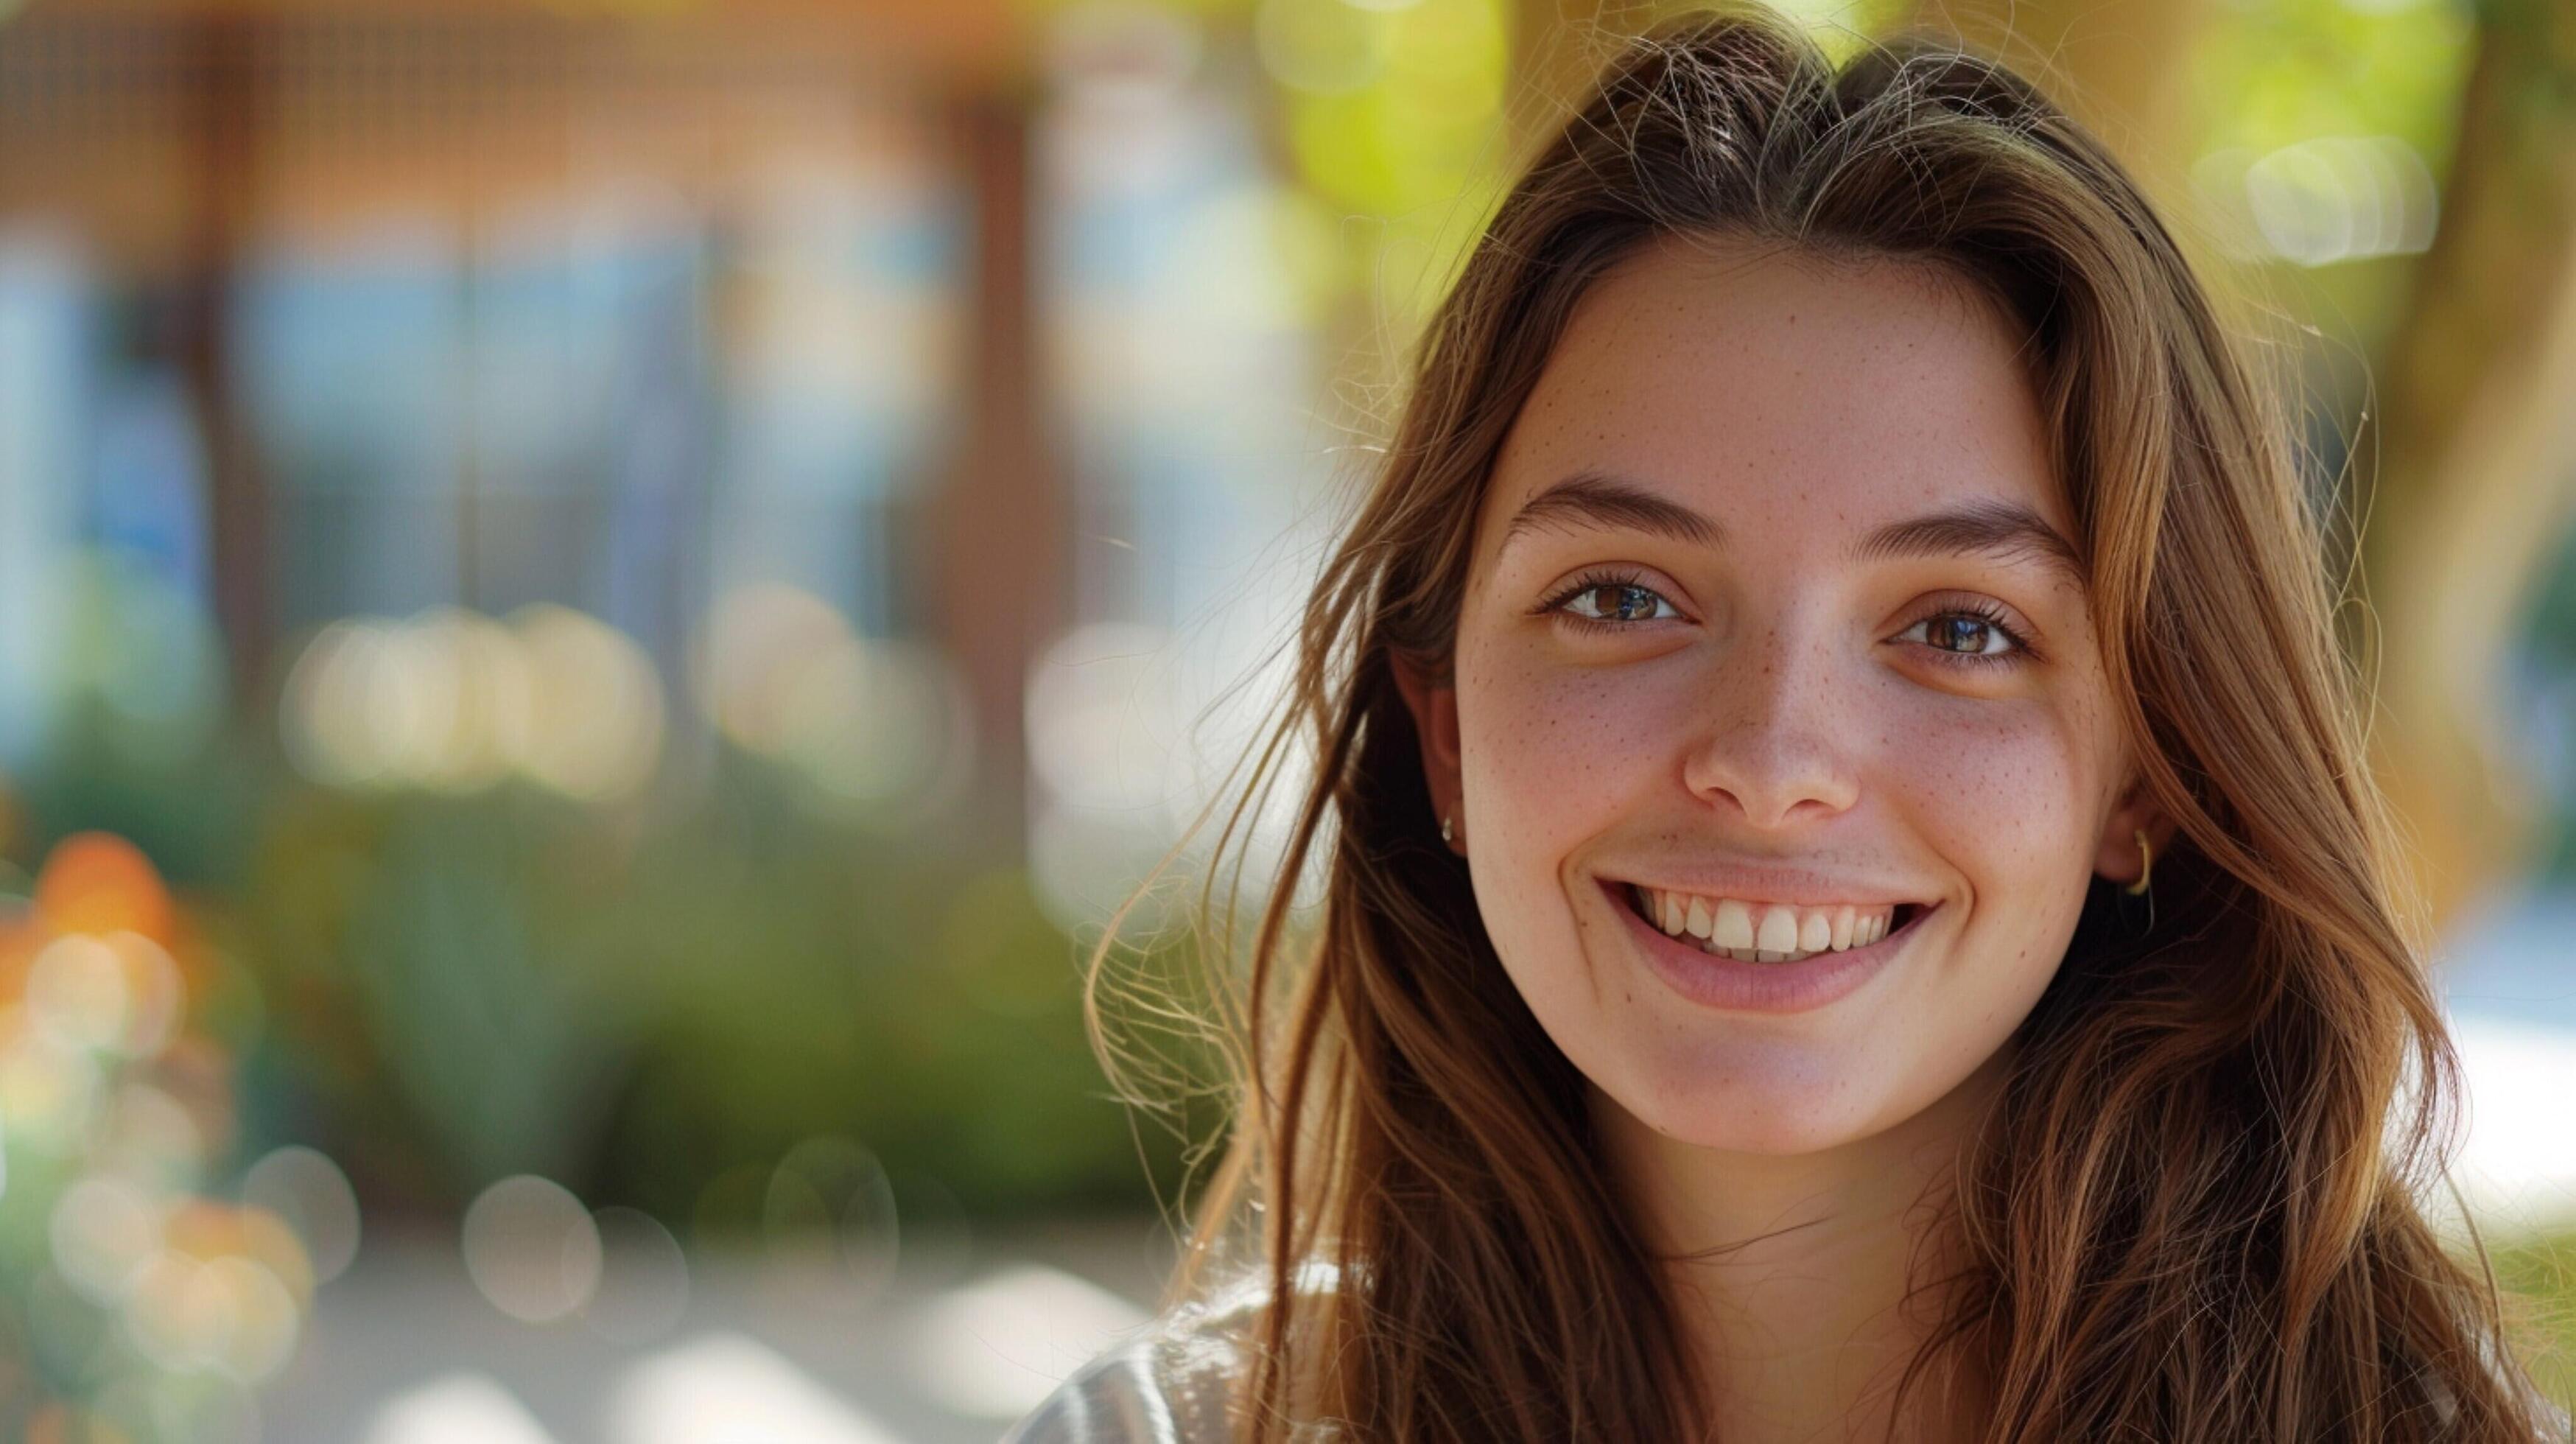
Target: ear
[(2117, 857), (1433, 701)]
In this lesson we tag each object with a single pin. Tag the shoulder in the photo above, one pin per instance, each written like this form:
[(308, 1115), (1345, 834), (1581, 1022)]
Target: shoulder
[(1172, 1383)]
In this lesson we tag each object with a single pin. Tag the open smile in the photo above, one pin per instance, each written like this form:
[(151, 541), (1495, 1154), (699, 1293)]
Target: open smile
[(1766, 932), (1705, 964)]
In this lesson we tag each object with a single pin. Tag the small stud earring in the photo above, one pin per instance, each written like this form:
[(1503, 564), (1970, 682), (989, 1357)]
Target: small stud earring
[(1445, 828), (2146, 864)]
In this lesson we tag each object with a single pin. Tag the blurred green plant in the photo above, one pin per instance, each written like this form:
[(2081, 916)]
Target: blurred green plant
[(639, 1002), (2541, 1269)]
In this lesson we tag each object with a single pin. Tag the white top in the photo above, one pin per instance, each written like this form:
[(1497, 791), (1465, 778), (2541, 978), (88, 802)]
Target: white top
[(1171, 1384), (1168, 1386)]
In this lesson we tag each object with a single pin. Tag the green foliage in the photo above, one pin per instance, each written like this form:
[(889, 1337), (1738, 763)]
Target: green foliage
[(638, 1004), (2542, 1271), (2272, 74), (441, 990), (478, 946), (2264, 76)]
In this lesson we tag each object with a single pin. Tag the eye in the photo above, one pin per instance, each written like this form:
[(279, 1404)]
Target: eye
[(1974, 634), (1608, 602)]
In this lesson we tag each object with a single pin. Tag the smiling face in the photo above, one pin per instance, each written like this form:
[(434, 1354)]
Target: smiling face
[(1710, 644)]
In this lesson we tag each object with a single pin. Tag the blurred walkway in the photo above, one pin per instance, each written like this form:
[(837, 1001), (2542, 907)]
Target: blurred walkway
[(2510, 982), (404, 1350)]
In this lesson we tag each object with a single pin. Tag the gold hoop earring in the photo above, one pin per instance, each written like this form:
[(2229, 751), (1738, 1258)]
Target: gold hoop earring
[(2146, 864)]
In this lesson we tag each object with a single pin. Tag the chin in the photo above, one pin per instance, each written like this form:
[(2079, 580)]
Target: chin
[(1784, 1135), (1739, 1109)]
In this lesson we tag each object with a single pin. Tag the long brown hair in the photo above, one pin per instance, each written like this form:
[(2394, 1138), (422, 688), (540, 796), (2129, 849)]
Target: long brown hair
[(2192, 1213)]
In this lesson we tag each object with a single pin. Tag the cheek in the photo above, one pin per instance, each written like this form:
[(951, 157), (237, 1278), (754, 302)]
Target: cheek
[(1552, 753), (2002, 795), (1555, 758), (1997, 787), (1562, 760)]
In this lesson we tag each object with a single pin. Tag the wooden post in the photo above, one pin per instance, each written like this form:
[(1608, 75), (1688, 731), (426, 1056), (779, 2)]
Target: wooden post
[(220, 100), (997, 580)]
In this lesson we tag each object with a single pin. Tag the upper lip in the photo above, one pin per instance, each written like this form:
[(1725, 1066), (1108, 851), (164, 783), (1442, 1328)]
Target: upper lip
[(1773, 885)]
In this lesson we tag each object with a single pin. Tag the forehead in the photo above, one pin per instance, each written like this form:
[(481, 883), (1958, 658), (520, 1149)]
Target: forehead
[(1772, 389)]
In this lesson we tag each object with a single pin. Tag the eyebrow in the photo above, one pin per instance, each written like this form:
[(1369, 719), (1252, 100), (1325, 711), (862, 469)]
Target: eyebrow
[(1594, 499), (1988, 526), (2006, 530)]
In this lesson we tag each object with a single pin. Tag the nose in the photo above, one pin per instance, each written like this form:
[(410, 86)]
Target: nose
[(1771, 741)]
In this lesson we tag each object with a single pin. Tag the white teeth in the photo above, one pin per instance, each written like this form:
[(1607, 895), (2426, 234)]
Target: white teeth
[(1779, 933), (1764, 932), (1734, 925)]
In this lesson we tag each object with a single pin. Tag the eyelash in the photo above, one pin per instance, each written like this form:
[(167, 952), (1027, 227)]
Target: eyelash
[(1988, 614), (1593, 582), (1982, 611)]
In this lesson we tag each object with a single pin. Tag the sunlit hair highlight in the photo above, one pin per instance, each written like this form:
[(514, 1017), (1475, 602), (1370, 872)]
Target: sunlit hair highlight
[(2193, 1211)]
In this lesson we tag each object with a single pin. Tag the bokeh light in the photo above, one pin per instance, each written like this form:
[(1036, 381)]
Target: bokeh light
[(643, 1291), (874, 726), (453, 701), (150, 1136), (171, 1305), (595, 718), (48, 1089), (104, 1231), (2320, 201), (531, 1249), (99, 883), (829, 1218), (306, 1189), (120, 992)]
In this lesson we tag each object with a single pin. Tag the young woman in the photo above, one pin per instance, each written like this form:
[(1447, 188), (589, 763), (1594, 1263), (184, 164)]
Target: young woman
[(1853, 905)]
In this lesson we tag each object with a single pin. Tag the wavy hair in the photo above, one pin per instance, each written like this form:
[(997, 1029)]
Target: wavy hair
[(2193, 1210)]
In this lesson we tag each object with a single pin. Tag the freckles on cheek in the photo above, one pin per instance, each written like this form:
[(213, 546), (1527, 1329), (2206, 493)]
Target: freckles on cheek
[(1999, 785), (1556, 742), (1554, 756)]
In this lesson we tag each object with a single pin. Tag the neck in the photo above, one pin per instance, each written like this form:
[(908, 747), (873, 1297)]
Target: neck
[(1789, 1274)]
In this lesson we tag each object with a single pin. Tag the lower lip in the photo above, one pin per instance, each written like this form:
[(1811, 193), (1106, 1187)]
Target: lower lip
[(1737, 986)]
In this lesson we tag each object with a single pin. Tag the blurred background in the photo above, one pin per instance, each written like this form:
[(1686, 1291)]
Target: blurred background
[(598, 598)]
